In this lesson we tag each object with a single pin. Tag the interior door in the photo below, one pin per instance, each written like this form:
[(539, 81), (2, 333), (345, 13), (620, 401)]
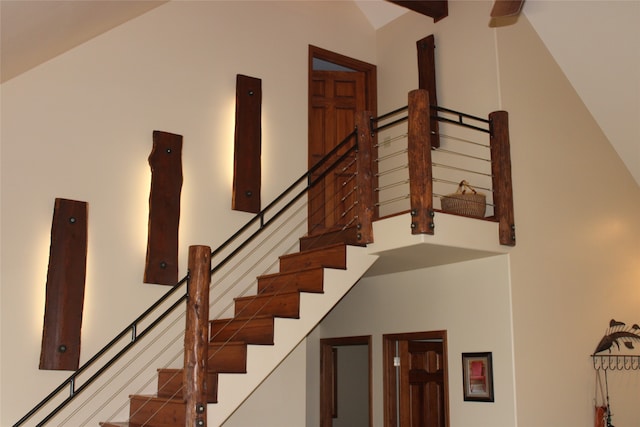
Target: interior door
[(335, 98), (415, 379), (422, 392)]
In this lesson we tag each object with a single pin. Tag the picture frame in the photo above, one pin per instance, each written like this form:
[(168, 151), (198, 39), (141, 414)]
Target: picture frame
[(477, 377)]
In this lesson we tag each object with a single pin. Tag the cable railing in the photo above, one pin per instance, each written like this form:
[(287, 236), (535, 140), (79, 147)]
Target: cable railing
[(384, 167), (472, 150), (463, 155), (287, 233), (235, 277)]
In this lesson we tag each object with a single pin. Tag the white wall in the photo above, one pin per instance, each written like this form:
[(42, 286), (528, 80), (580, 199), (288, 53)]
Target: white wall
[(577, 263), (470, 300), (584, 53), (80, 125), (277, 402), (577, 260)]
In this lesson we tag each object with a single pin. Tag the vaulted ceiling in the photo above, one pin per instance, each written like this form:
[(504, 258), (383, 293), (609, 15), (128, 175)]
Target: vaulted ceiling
[(579, 34)]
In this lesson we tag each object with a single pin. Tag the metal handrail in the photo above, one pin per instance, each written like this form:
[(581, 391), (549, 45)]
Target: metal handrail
[(132, 328)]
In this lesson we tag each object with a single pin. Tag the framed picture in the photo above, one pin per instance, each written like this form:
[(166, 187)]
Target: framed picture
[(477, 377)]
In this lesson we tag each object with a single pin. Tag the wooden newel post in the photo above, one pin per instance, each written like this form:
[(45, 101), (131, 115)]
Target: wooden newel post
[(420, 174), (364, 178), (501, 171), (196, 336)]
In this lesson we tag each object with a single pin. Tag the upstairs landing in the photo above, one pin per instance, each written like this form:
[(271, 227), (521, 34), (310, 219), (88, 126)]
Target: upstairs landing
[(456, 239)]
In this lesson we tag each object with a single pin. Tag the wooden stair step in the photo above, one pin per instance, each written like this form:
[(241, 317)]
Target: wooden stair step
[(307, 280), (116, 424), (334, 256), (228, 358), (284, 304), (347, 236), (156, 411), (170, 384), (258, 330)]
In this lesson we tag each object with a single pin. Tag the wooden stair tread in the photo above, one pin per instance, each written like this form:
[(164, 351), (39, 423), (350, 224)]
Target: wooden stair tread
[(255, 330), (156, 398), (170, 382), (156, 411), (278, 296), (332, 256), (228, 358), (266, 295), (291, 273), (348, 236), (228, 319), (309, 280), (282, 304)]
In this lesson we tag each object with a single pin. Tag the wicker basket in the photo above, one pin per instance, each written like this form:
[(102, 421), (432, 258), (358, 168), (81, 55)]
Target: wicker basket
[(465, 203)]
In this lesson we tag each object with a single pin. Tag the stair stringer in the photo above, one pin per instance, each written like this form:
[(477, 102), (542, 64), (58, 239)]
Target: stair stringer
[(234, 389)]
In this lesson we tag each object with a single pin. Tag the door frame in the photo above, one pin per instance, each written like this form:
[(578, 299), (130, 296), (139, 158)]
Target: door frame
[(371, 94), (369, 70), (389, 371), (328, 375)]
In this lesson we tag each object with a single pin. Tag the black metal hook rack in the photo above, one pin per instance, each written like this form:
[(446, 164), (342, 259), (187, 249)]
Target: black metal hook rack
[(616, 362), (618, 336)]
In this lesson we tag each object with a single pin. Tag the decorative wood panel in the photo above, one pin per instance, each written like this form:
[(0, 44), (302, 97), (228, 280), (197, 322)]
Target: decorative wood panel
[(161, 265), (501, 177), (247, 149), (65, 286), (427, 80)]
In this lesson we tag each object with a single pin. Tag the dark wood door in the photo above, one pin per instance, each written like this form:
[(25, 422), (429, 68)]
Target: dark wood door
[(335, 98), (422, 390)]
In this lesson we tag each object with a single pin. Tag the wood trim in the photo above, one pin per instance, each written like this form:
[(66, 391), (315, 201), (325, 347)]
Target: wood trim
[(327, 371), (66, 278)]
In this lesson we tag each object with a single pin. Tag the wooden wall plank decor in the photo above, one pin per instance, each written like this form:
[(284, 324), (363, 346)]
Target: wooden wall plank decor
[(161, 265), (247, 148), (501, 177), (65, 286), (427, 79)]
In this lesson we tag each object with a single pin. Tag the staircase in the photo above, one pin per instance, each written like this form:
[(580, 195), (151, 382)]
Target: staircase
[(265, 328)]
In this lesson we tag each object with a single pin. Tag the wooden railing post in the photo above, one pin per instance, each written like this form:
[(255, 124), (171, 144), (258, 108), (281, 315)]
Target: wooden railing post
[(501, 171), (196, 335), (420, 174), (364, 178)]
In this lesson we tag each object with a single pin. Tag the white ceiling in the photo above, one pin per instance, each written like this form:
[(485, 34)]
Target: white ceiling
[(579, 34), (34, 31)]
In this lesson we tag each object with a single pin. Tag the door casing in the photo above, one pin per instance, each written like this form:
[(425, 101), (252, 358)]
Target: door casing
[(369, 73), (328, 375), (391, 380)]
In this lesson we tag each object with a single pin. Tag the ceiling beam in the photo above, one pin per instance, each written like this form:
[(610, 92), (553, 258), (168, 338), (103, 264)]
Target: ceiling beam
[(503, 8), (436, 9)]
